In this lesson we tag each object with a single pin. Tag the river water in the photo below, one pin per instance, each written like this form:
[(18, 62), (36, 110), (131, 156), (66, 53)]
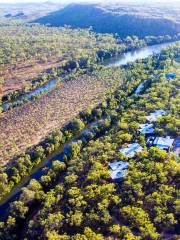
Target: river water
[(118, 60), (134, 55), (38, 172), (44, 88)]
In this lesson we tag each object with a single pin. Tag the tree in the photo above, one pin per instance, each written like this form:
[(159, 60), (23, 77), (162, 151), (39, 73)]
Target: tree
[(77, 125), (18, 209), (138, 218), (54, 221)]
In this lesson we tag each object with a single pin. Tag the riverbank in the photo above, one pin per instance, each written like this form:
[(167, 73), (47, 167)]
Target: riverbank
[(34, 174), (30, 123), (117, 60), (34, 94), (90, 130), (137, 54)]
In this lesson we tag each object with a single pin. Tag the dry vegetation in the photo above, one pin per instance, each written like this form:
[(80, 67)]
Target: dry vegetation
[(27, 50), (26, 125), (23, 75)]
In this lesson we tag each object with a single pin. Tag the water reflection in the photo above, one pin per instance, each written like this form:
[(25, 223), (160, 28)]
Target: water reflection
[(134, 55), (30, 95)]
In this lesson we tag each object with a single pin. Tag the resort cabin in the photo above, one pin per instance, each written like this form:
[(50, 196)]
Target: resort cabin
[(154, 116), (147, 128), (131, 150), (170, 76), (163, 143), (140, 87), (118, 170)]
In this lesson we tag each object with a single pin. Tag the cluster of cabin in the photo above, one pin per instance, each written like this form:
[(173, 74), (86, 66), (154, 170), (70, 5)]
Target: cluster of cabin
[(119, 168)]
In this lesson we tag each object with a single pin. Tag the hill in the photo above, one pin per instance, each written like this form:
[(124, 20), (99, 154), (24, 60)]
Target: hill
[(27, 11), (123, 19)]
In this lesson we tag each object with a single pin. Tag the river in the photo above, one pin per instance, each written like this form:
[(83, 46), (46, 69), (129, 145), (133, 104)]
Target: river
[(38, 171), (42, 89), (118, 60), (134, 55)]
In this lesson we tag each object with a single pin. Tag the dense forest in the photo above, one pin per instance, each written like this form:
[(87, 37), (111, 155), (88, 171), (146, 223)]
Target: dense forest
[(89, 121), (75, 198)]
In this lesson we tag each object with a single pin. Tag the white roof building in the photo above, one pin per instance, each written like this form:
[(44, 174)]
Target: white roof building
[(140, 87), (154, 116), (119, 169), (163, 143), (131, 149), (146, 128)]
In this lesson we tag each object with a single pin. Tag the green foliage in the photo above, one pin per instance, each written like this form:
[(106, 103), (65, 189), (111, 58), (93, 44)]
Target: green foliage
[(77, 199)]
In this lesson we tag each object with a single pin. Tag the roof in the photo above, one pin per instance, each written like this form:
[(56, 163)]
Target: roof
[(131, 150), (154, 116), (140, 87), (163, 143), (146, 128), (118, 165), (119, 169), (118, 174), (170, 75)]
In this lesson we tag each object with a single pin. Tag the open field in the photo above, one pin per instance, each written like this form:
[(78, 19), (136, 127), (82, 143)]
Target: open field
[(26, 125), (23, 75)]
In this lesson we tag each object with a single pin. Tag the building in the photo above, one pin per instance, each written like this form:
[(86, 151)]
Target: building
[(147, 128), (131, 150), (140, 87), (170, 76), (118, 169), (154, 116), (163, 143)]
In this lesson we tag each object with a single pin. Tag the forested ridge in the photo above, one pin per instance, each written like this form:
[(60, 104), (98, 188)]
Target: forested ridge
[(123, 19), (76, 198)]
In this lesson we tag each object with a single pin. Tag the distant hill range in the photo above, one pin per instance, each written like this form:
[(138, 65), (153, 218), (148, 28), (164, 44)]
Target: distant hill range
[(27, 11), (124, 19)]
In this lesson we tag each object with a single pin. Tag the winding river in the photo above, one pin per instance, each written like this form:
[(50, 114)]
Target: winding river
[(137, 54), (38, 171), (118, 60)]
